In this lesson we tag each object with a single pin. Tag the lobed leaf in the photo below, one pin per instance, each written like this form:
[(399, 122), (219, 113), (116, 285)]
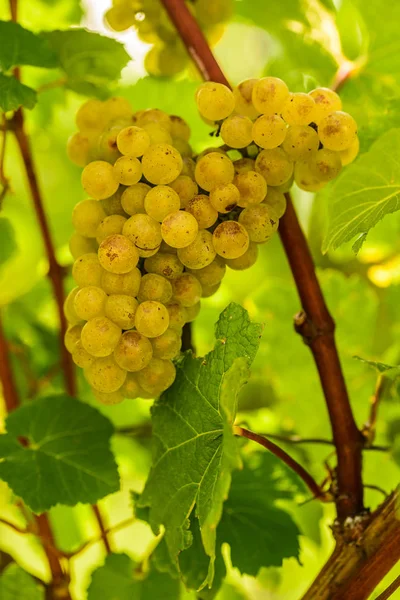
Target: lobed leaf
[(14, 94), (19, 46)]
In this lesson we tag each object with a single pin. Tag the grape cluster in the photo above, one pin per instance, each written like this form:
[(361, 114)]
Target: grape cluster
[(160, 227), (167, 57)]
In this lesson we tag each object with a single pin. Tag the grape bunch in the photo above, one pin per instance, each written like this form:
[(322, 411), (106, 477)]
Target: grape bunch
[(167, 57), (160, 226)]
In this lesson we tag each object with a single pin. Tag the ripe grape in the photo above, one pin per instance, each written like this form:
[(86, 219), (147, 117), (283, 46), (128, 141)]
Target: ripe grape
[(212, 13), (209, 291), (154, 115), (132, 199), (326, 102), (179, 229), (79, 245), (69, 308), (117, 108), (199, 253), (99, 180), (164, 263), (155, 287), (109, 399), (202, 210), (212, 273), (236, 131), (260, 222), (247, 260), (126, 283), (121, 309), (186, 189), (90, 117), (224, 198), (161, 164), (243, 99), (151, 318), (326, 164), (133, 141), (269, 95), (274, 165), (179, 128), (78, 149), (128, 170), (100, 336), (72, 337), (305, 178), (215, 101), (242, 165), (87, 216), (104, 375), (110, 225), (269, 131), (117, 254), (133, 352), (161, 201), (144, 233), (252, 188), (81, 357), (337, 131), (87, 270), (301, 142), (131, 388), (230, 239), (112, 205), (158, 134), (276, 200), (167, 345), (157, 376), (89, 302), (177, 316), (347, 156), (193, 311), (214, 169), (299, 109)]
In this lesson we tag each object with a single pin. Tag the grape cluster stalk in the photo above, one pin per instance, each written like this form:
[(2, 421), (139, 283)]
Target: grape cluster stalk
[(161, 226)]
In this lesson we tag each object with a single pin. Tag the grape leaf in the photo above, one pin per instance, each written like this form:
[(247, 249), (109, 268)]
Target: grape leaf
[(116, 579), (91, 61), (367, 190), (19, 46), (194, 448), (8, 244), (67, 458), (17, 584), (14, 94)]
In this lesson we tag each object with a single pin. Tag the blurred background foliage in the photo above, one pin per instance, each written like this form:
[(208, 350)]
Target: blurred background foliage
[(305, 42)]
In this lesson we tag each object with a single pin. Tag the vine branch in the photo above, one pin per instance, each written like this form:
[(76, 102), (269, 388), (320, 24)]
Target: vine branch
[(390, 590), (369, 428), (102, 527)]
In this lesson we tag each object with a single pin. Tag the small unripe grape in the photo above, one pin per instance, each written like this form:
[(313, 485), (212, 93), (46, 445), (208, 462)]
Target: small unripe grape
[(126, 283), (299, 109), (167, 345), (151, 318), (99, 180), (186, 188), (274, 165), (81, 357), (161, 164), (179, 229), (305, 178), (100, 336), (161, 201), (117, 254), (109, 399), (215, 101), (214, 169), (166, 264), (79, 245), (326, 164), (347, 156), (269, 95), (90, 116), (179, 128), (104, 375), (269, 131), (132, 199), (236, 131), (326, 102), (337, 131), (199, 253), (87, 270), (230, 239), (78, 149), (252, 188), (133, 141), (89, 302), (276, 200), (202, 210), (211, 274), (260, 222), (72, 337), (69, 308), (111, 225), (145, 233), (155, 287), (87, 216), (133, 352), (157, 376), (224, 198), (243, 99), (247, 260), (131, 388), (301, 142), (128, 170), (177, 316)]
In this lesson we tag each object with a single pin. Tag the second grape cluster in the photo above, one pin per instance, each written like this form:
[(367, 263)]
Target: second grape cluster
[(160, 227)]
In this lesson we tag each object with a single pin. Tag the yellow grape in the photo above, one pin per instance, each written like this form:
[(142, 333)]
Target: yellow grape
[(132, 199), (212, 273), (215, 101), (224, 198), (155, 287), (326, 102), (193, 311), (209, 291), (337, 131), (269, 131), (104, 375), (79, 245), (72, 337), (179, 229), (215, 12), (100, 336), (164, 263), (89, 302), (247, 260), (276, 200), (177, 316), (242, 165), (151, 318), (81, 357), (199, 253), (110, 225), (269, 95), (202, 210), (133, 141), (112, 205), (305, 178), (161, 201), (186, 289), (117, 254), (214, 169), (121, 309), (145, 233), (161, 164), (157, 376), (243, 99), (301, 142), (252, 188), (69, 308), (347, 156), (154, 115), (179, 128), (167, 345), (131, 388), (120, 18), (274, 165), (118, 108), (78, 149), (237, 131), (98, 180), (158, 134), (109, 399), (186, 188), (230, 239), (128, 170), (87, 216), (90, 117), (326, 164), (133, 352), (87, 270), (299, 109), (260, 222)]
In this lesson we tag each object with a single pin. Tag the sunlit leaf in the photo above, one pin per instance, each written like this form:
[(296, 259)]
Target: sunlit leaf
[(19, 46)]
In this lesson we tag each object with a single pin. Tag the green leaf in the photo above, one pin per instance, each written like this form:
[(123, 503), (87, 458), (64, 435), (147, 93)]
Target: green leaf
[(19, 46), (390, 371), (194, 449), (91, 61), (14, 94), (120, 579), (17, 584), (367, 190), (67, 458), (8, 244), (352, 30)]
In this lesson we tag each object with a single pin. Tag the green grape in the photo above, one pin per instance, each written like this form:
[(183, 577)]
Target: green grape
[(186, 290), (132, 199), (104, 375), (155, 287), (126, 284), (269, 95), (236, 131), (98, 180), (106, 148), (121, 309), (168, 345), (179, 229), (274, 165), (260, 222), (151, 318), (128, 170), (179, 128), (109, 399), (120, 18), (177, 316), (230, 239), (301, 142), (133, 141), (337, 131), (112, 205), (211, 274), (215, 101), (225, 198), (269, 131), (202, 210), (133, 352), (145, 233), (214, 169), (117, 254), (117, 108), (247, 260), (166, 264), (299, 109), (87, 270), (89, 302), (87, 216), (326, 164), (69, 308), (209, 291), (243, 99), (90, 117), (72, 337), (183, 147), (242, 165), (130, 388), (305, 178), (326, 102), (78, 149), (186, 188), (161, 164), (276, 200), (161, 201), (252, 188), (100, 336), (109, 226), (79, 245), (193, 311), (188, 169), (347, 156), (154, 115), (157, 376), (212, 13), (80, 357), (199, 253), (158, 134)]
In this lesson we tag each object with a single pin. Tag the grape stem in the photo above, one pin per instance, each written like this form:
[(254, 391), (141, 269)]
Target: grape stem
[(390, 590), (369, 428), (102, 527)]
